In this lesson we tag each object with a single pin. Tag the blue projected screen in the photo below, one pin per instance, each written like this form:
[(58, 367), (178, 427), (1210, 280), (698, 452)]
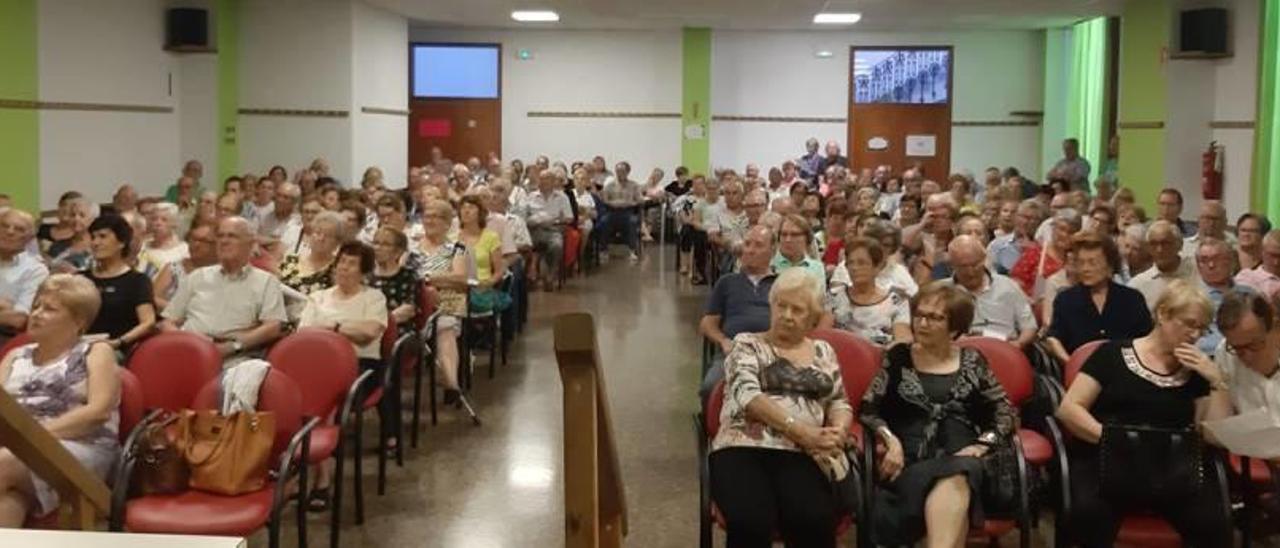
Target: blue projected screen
[(918, 76), (455, 71)]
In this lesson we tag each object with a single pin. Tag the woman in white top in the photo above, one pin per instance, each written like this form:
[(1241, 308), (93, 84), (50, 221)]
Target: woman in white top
[(586, 205), (863, 307), (164, 247), (359, 313), (70, 386)]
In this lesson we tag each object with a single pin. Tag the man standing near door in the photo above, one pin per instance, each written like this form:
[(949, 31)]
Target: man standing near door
[(1072, 167)]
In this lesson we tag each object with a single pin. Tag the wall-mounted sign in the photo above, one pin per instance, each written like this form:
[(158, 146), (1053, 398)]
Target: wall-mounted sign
[(922, 145), (877, 143), (695, 132)]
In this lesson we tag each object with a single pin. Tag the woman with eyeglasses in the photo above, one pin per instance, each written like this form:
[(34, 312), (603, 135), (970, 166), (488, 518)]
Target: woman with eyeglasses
[(1158, 381), (938, 410), (863, 307), (1096, 307), (442, 262)]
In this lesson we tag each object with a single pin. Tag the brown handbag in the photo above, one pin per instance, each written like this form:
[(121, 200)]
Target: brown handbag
[(227, 454), (160, 468)]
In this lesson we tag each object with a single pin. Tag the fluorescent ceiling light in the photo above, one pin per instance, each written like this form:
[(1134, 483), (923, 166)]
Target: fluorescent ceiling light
[(837, 18), (535, 16), (824, 54)]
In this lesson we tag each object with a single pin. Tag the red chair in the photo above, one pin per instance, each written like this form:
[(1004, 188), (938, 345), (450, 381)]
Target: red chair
[(859, 362), (1137, 529), (572, 243), (428, 301), (1256, 480), (324, 366), (1013, 370), (173, 366), (705, 427), (17, 340), (195, 512), (399, 352)]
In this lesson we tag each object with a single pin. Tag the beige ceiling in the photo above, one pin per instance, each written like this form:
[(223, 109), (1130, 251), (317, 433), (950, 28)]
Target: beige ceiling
[(880, 15)]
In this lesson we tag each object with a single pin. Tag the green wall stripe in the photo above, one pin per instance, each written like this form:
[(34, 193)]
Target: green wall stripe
[(1265, 188), (19, 80), (228, 127), (1057, 72), (1144, 39), (695, 152)]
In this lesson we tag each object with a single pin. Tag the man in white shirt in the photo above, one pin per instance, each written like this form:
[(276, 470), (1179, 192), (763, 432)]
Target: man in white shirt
[(549, 212), (1212, 223), (1001, 308), (20, 272), (1249, 355), (1165, 242), (283, 222)]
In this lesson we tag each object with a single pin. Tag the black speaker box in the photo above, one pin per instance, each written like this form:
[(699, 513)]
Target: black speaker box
[(1204, 30), (187, 28)]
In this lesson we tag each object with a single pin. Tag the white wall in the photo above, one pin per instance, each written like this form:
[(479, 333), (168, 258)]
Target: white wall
[(295, 54), (380, 62), (98, 52), (777, 74), (615, 71), (197, 92), (1236, 99)]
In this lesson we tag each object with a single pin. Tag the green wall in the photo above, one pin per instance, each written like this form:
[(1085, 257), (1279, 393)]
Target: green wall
[(228, 21), (1144, 40), (695, 150), (1265, 190), (19, 81)]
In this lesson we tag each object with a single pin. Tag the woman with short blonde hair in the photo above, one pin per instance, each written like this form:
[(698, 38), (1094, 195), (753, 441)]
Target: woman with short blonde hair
[(69, 385)]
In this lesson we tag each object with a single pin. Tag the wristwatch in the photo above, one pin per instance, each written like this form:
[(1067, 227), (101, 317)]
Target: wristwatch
[(236, 346)]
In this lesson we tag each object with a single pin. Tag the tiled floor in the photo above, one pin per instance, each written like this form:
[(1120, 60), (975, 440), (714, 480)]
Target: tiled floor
[(499, 485)]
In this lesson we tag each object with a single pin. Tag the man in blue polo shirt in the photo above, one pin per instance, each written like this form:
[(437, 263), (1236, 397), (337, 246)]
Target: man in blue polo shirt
[(739, 302)]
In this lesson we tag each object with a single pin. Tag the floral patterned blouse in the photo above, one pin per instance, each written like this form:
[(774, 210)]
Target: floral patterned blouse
[(809, 392), (873, 322), (426, 263), (400, 288), (292, 276)]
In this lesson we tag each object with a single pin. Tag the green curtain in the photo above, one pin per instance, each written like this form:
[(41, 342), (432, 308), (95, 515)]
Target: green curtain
[(1086, 102), (1266, 153)]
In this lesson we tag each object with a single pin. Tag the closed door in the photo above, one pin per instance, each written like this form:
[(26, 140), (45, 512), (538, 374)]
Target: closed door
[(462, 128)]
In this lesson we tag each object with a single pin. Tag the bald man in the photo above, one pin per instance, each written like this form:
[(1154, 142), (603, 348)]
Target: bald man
[(1164, 240), (238, 306), (1212, 223), (1001, 310), (21, 273)]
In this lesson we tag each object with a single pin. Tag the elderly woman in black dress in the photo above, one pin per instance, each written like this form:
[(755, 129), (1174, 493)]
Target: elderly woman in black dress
[(938, 409)]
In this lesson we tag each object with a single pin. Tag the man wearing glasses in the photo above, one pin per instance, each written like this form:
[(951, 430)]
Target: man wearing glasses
[(1249, 355), (1165, 242), (1215, 261)]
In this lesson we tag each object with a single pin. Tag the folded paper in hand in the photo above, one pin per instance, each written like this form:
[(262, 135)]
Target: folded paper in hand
[(1254, 434)]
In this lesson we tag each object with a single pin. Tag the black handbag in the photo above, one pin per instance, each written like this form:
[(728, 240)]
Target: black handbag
[(1000, 491), (1149, 463)]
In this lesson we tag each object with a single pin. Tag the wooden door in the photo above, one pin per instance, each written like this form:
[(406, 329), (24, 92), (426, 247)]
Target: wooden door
[(891, 124), (462, 128)]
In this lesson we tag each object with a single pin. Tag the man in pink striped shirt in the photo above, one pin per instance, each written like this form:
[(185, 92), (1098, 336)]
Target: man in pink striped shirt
[(1266, 277)]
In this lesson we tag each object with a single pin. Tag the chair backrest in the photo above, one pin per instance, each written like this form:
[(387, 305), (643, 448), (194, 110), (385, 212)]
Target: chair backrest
[(711, 413), (132, 406), (389, 336), (17, 340), (426, 305), (322, 363), (278, 394), (172, 367), (572, 241), (1009, 364), (859, 362), (1076, 362)]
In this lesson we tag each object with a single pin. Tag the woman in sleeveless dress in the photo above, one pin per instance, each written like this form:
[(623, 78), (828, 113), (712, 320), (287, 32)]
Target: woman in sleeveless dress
[(67, 384)]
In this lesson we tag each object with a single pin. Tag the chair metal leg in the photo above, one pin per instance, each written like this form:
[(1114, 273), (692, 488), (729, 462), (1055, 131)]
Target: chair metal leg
[(502, 340), (492, 324), (417, 398), (358, 457), (301, 504), (382, 456), (335, 488)]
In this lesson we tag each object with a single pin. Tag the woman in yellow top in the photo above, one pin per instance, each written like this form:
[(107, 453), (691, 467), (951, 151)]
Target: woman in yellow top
[(485, 249)]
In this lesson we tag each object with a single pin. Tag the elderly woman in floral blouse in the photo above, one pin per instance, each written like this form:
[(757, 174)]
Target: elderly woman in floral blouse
[(784, 425)]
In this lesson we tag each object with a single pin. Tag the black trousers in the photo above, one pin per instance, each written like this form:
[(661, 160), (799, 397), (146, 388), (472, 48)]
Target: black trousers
[(761, 491), (692, 239), (1095, 519), (391, 394)]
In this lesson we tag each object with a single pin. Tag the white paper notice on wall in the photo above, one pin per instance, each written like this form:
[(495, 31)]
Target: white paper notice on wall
[(877, 143), (695, 132), (922, 145)]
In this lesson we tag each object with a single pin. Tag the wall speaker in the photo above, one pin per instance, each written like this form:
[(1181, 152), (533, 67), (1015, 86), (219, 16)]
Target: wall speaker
[(1204, 31), (187, 28)]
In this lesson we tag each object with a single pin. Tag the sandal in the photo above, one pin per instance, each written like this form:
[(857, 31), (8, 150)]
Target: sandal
[(319, 500)]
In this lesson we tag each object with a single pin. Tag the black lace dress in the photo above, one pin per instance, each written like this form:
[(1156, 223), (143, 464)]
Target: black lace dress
[(934, 416)]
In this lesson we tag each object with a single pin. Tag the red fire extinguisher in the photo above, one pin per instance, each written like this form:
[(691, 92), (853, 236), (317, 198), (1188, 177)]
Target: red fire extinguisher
[(1211, 172)]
